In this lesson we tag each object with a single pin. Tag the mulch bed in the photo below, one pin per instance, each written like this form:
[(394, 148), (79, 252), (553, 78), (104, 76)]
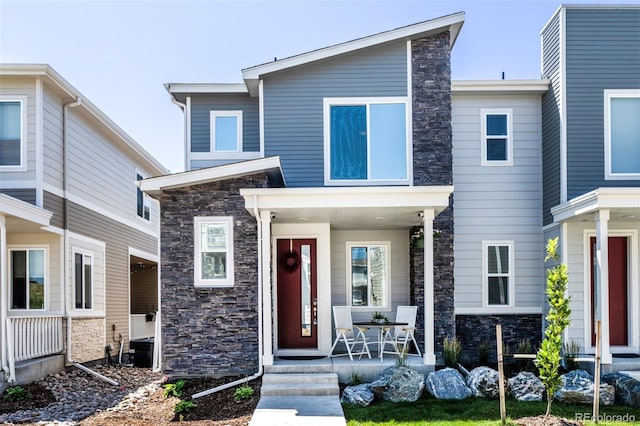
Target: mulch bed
[(37, 397)]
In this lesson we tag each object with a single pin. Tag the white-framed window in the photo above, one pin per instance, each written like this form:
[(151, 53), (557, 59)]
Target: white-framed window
[(83, 280), (368, 274), (622, 134), (226, 131), (497, 262), (497, 137), (13, 138), (28, 278), (143, 205), (213, 251), (367, 141)]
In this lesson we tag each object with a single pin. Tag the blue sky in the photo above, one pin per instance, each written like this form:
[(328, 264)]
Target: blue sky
[(120, 53)]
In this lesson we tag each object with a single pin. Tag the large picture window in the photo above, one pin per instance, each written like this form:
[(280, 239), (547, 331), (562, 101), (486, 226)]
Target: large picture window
[(497, 139), (83, 280), (366, 140), (11, 133), (622, 134), (498, 267), (28, 278), (368, 274), (213, 263), (226, 131)]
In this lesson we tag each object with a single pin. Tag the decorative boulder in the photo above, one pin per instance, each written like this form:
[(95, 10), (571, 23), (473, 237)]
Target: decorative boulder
[(360, 394), (577, 388), (484, 382), (526, 387), (447, 384), (627, 388), (399, 384)]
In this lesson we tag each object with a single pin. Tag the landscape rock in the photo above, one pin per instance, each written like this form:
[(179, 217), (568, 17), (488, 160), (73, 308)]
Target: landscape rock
[(627, 389), (447, 384), (359, 394), (399, 384), (526, 387), (484, 382), (578, 386)]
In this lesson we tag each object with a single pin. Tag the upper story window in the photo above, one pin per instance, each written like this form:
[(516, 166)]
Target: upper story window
[(622, 134), (368, 272), (367, 141), (83, 280), (28, 278), (497, 138), (12, 132), (213, 251), (226, 131), (143, 205), (498, 272)]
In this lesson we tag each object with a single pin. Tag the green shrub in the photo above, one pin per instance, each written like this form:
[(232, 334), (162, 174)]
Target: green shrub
[(356, 379), (570, 351), (452, 348), (174, 389), (17, 393), (183, 407), (242, 393)]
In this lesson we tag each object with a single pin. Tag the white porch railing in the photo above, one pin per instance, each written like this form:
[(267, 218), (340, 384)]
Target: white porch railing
[(32, 337), (141, 328)]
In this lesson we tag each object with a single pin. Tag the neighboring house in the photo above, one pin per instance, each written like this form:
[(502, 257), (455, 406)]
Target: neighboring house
[(591, 164), (329, 161), (79, 242)]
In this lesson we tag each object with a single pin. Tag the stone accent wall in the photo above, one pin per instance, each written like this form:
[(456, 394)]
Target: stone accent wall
[(433, 165), (87, 339), (472, 329), (209, 332)]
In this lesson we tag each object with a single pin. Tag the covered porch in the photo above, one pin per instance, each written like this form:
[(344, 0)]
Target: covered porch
[(334, 234)]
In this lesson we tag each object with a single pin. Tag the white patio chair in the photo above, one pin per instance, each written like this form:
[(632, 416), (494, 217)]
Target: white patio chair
[(400, 335), (349, 334)]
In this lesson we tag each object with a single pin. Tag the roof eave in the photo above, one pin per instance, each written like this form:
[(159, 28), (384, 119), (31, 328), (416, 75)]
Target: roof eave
[(482, 87)]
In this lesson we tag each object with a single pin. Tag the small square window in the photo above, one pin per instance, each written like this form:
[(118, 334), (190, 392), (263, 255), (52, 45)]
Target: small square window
[(213, 251), (622, 134), (226, 131), (497, 140)]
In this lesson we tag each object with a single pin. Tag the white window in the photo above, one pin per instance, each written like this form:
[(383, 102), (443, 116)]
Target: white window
[(367, 141), (498, 272), (143, 205), (13, 133), (27, 272), (368, 274), (226, 131), (497, 137), (213, 257), (622, 134), (83, 280)]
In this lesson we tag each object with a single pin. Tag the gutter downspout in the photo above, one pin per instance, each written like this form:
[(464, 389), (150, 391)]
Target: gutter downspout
[(260, 371), (65, 208), (187, 143)]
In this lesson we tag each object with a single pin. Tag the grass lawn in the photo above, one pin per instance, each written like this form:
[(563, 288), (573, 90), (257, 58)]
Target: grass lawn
[(472, 411)]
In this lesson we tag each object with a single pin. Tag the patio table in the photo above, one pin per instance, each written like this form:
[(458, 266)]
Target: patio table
[(382, 327)]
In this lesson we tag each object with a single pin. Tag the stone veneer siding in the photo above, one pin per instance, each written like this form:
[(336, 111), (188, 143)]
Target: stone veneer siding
[(472, 329), (433, 165), (209, 331), (87, 339)]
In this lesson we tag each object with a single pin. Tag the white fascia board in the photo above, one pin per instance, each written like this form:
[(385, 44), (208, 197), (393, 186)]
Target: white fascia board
[(452, 23), (601, 198), (154, 186), (345, 197), (10, 206), (206, 88), (481, 87)]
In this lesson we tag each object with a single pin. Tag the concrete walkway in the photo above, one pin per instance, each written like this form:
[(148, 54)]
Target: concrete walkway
[(298, 410)]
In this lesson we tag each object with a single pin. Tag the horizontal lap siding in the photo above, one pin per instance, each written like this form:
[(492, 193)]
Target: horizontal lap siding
[(52, 139), (293, 104), (497, 203), (603, 52), (27, 195)]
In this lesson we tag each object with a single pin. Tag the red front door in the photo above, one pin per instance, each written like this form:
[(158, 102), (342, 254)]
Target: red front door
[(618, 258), (297, 294)]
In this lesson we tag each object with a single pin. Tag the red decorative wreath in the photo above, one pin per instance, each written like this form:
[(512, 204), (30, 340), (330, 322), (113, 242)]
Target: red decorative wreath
[(290, 261)]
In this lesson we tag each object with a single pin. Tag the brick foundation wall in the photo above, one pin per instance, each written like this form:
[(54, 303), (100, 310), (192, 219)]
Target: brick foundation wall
[(209, 331)]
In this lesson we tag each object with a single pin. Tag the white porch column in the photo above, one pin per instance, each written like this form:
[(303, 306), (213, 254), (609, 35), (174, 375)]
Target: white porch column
[(602, 281), (429, 324), (4, 286), (267, 319)]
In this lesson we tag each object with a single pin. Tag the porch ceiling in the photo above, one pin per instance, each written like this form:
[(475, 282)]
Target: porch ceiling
[(622, 203), (352, 207)]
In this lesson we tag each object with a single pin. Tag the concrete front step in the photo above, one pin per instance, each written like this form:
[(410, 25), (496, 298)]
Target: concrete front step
[(296, 384), (299, 368), (297, 378)]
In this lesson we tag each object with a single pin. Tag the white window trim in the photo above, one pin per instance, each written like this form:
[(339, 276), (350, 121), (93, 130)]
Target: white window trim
[(328, 103), (212, 135), (28, 247), (146, 201), (22, 167), (608, 95), (510, 276), (483, 136), (387, 291), (197, 259), (84, 253)]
